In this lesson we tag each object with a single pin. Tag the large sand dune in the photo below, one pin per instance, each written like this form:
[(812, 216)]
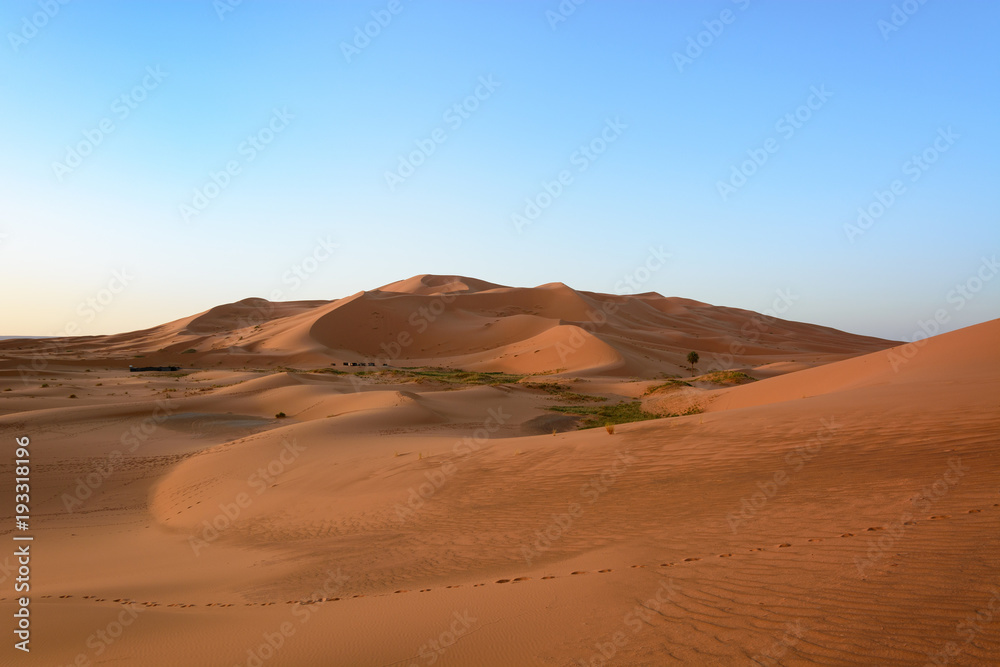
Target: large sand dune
[(467, 323), (842, 510)]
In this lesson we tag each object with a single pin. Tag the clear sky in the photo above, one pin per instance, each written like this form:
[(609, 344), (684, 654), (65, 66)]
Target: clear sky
[(163, 157)]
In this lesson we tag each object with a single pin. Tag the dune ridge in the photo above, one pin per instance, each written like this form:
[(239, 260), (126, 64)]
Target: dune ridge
[(835, 507), (457, 322)]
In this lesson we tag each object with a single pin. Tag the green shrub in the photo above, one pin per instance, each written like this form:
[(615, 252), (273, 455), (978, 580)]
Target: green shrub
[(669, 385), (602, 415), (727, 378)]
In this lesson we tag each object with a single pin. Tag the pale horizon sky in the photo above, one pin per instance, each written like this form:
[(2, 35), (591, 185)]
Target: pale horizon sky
[(161, 158)]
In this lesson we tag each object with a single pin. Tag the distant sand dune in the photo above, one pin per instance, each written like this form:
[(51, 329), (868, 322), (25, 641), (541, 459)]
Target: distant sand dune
[(842, 509)]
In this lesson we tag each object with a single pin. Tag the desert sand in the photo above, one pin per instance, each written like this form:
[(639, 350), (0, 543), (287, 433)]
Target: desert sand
[(804, 496)]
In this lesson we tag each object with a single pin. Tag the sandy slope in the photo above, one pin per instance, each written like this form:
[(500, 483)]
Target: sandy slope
[(462, 322), (842, 514)]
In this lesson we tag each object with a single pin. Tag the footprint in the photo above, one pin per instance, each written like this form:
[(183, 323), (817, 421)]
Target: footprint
[(666, 564), (401, 590), (605, 570), (815, 539), (909, 523), (941, 516), (636, 566), (756, 549), (848, 535), (688, 560), (503, 581), (521, 579), (782, 546), (725, 555), (455, 586), (874, 528), (579, 572), (974, 511), (548, 576)]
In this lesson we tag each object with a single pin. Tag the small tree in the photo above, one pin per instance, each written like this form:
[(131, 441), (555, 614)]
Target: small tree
[(692, 359)]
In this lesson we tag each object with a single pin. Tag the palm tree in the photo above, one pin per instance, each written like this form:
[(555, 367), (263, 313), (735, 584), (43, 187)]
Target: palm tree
[(692, 359)]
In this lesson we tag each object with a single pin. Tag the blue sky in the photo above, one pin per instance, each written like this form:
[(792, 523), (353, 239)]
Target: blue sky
[(163, 95)]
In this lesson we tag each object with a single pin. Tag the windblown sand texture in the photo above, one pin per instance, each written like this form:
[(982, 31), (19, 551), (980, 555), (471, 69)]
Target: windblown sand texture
[(837, 504)]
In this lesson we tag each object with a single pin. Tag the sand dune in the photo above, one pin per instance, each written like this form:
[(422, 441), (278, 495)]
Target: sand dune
[(842, 509), (464, 323)]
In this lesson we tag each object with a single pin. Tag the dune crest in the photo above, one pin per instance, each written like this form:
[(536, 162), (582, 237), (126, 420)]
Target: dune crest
[(456, 321)]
